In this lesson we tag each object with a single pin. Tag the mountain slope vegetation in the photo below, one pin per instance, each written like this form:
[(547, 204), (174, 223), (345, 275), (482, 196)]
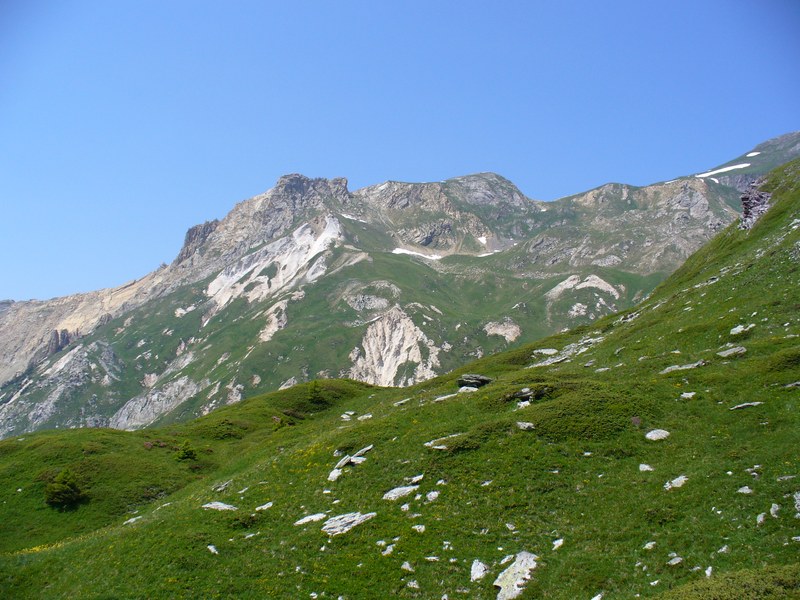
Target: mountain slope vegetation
[(651, 453)]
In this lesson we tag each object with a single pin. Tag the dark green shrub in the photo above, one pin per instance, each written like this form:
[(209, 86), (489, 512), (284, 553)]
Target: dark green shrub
[(186, 451), (64, 491)]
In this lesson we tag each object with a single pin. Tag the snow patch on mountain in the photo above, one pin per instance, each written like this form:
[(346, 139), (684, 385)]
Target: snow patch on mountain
[(412, 253), (724, 169)]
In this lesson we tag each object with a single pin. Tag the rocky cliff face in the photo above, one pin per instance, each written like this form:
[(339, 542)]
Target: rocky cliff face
[(390, 284)]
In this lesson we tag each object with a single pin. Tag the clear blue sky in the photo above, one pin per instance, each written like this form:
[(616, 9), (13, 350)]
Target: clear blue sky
[(123, 123)]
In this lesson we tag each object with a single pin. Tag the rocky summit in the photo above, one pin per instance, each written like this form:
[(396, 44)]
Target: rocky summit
[(391, 285)]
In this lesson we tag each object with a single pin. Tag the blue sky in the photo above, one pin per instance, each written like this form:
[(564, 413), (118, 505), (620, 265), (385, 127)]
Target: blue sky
[(123, 123)]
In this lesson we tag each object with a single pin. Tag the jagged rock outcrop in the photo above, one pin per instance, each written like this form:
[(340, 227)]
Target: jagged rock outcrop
[(394, 351), (754, 204), (195, 238)]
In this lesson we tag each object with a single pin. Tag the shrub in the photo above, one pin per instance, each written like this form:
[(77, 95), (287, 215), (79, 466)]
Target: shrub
[(186, 451), (64, 491)]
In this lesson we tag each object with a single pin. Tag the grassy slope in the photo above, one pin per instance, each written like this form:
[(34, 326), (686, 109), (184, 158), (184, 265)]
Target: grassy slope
[(575, 477)]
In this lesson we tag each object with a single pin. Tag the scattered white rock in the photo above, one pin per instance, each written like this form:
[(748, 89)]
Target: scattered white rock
[(676, 483), (438, 444), (413, 584), (674, 561), (399, 492), (365, 417), (334, 475), (344, 523), (221, 487), (311, 519), (132, 520), (431, 496), (525, 426), (558, 543), (419, 528), (688, 395), (645, 467), (657, 434), (219, 506), (416, 479), (693, 365), (465, 389), (742, 328), (213, 549), (478, 570), (546, 351), (655, 583), (745, 489), (735, 351), (709, 570), (649, 545), (761, 518), (406, 566), (598, 596), (389, 549), (724, 550), (745, 405), (512, 581)]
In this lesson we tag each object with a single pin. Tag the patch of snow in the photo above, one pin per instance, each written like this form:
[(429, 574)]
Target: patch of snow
[(264, 506), (723, 170), (752, 154), (412, 253), (482, 240), (643, 467)]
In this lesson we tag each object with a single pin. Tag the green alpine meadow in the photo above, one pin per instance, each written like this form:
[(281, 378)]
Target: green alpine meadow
[(650, 452)]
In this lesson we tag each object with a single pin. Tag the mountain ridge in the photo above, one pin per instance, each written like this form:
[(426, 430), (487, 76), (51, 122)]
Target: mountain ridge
[(475, 242)]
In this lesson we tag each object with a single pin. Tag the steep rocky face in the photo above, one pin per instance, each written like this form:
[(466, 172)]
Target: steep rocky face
[(754, 204), (391, 284)]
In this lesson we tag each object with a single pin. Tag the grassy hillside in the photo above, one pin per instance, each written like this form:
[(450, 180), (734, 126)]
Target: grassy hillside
[(570, 476)]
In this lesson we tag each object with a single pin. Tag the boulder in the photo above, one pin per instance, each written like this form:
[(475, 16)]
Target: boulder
[(473, 380), (512, 581), (344, 523)]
